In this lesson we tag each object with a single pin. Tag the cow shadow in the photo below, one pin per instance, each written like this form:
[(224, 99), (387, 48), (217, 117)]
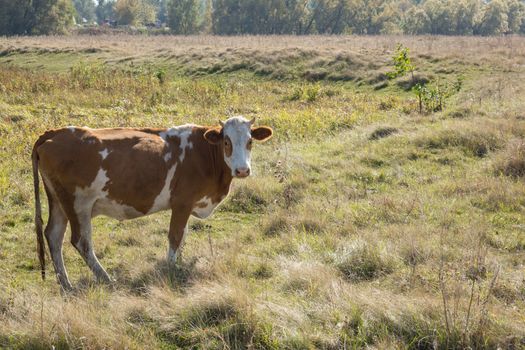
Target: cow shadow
[(178, 276)]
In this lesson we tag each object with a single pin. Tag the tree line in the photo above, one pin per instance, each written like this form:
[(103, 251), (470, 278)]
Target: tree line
[(301, 17)]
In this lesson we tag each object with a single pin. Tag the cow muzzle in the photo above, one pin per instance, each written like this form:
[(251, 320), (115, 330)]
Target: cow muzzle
[(242, 172)]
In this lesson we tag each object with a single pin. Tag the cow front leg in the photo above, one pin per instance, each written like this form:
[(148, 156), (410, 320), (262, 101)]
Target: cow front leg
[(177, 232)]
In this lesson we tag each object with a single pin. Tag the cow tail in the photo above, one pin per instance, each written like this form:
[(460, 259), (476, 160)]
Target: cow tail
[(38, 213)]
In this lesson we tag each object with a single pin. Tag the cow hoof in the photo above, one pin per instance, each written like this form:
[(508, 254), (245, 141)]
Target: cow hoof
[(66, 288), (105, 279)]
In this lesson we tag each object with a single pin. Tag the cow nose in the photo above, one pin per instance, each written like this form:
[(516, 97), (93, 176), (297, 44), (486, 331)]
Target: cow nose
[(242, 172)]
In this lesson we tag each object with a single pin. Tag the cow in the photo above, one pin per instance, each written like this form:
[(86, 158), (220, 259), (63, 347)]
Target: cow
[(125, 173)]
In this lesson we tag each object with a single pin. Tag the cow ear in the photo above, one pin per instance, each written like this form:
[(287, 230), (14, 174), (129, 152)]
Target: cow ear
[(262, 133), (213, 136)]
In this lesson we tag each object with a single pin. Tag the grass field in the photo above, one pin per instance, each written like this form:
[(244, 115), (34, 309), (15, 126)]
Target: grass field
[(366, 224)]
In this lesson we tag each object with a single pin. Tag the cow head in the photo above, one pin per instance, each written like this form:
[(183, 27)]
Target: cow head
[(235, 136)]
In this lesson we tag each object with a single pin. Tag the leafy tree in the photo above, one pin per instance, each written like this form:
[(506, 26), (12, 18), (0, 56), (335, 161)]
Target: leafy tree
[(182, 16), (441, 17), (15, 17), (296, 17), (162, 11), (35, 16), (416, 21), (330, 16), (401, 62), (494, 20), (52, 16), (465, 14), (134, 12), (85, 10), (105, 10), (515, 15)]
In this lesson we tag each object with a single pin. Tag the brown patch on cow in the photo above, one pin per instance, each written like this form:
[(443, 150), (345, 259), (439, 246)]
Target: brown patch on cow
[(141, 154), (228, 147), (212, 180), (213, 135), (79, 160)]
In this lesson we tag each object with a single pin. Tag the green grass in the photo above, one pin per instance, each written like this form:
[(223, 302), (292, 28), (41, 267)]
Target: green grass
[(361, 218)]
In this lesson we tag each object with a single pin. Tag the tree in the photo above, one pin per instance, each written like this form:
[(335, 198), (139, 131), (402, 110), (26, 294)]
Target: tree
[(465, 14), (330, 16), (85, 10), (295, 18), (15, 17), (226, 17), (134, 12), (35, 16), (52, 16), (416, 21), (162, 10), (367, 16), (494, 20), (515, 15), (182, 16), (440, 15), (127, 11), (105, 10)]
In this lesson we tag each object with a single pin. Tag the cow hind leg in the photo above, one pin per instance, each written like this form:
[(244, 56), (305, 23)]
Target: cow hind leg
[(81, 240), (54, 233)]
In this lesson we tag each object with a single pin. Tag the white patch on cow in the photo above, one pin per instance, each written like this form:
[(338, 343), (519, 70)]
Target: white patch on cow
[(162, 201), (167, 157), (183, 132), (72, 128), (184, 234), (104, 153), (172, 256), (115, 210), (238, 129), (203, 208), (86, 197), (95, 199)]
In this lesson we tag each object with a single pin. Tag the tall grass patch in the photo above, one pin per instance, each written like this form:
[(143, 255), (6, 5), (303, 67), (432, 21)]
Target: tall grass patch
[(363, 261), (511, 161), (474, 142)]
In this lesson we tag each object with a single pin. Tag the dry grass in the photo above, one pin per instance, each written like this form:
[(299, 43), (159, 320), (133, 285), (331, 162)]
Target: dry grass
[(512, 161), (344, 238)]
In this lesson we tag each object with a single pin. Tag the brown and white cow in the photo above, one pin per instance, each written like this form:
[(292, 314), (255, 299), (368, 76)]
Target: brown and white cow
[(126, 173)]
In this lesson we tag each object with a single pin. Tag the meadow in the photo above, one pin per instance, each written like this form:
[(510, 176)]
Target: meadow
[(366, 224)]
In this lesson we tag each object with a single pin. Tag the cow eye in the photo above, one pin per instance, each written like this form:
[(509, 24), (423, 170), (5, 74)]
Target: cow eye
[(250, 143)]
